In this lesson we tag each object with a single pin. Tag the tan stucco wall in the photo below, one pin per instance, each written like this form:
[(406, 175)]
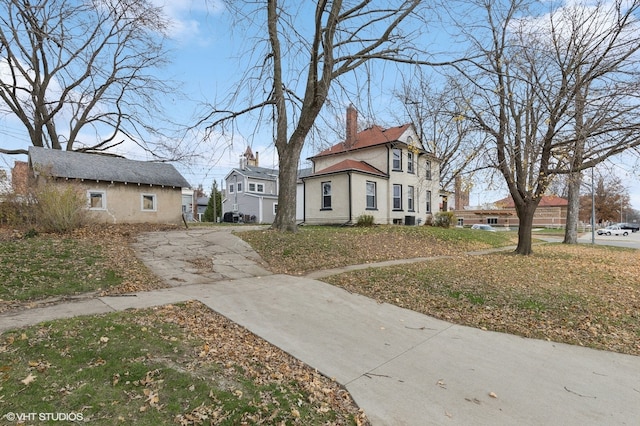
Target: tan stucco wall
[(124, 203)]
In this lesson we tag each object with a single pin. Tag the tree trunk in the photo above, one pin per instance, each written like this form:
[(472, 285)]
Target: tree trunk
[(571, 227), (288, 155), (525, 217)]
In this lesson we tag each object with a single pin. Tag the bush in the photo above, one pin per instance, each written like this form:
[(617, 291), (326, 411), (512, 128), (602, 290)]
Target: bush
[(17, 211), (60, 208), (444, 219), (365, 220)]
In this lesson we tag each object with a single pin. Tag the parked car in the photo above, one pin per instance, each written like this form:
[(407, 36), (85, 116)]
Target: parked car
[(613, 230), (483, 227), (634, 227)]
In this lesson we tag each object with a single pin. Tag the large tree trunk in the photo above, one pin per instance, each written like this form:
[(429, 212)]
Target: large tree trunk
[(288, 155), (525, 216), (571, 227)]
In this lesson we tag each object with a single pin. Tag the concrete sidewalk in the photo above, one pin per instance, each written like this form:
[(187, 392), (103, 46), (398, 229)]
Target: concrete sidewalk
[(401, 367)]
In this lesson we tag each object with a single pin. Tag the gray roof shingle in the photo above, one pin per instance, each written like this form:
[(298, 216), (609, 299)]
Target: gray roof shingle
[(77, 165)]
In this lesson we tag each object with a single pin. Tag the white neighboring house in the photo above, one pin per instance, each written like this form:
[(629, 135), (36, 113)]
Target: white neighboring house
[(385, 173)]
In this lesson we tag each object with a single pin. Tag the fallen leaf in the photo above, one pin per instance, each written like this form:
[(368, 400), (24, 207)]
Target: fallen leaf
[(27, 380)]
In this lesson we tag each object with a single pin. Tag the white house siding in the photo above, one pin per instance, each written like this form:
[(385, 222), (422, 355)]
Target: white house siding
[(339, 212)]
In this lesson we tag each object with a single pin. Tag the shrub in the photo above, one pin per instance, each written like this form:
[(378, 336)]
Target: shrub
[(365, 220), (60, 208), (17, 211), (444, 219)]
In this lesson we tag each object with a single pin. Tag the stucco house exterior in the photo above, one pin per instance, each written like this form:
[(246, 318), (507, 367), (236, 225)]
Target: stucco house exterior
[(385, 173), (118, 190)]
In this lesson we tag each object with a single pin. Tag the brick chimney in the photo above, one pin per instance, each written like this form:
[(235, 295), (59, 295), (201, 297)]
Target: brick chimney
[(352, 126)]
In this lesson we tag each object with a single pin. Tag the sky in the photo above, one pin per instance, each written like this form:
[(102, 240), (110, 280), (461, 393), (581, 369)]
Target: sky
[(204, 63)]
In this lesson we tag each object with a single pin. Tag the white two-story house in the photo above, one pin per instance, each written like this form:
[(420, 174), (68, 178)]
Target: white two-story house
[(385, 173)]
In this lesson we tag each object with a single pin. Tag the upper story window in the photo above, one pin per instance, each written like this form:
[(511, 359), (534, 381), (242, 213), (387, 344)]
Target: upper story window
[(231, 188), (397, 159), (410, 168), (326, 195), (239, 187), (256, 187), (427, 169)]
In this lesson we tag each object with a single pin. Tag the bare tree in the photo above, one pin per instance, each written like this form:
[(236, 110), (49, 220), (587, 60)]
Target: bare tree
[(437, 111), (549, 108), (304, 54), (69, 67)]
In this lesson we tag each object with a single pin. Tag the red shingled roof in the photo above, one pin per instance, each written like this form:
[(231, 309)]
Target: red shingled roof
[(347, 165), (372, 136)]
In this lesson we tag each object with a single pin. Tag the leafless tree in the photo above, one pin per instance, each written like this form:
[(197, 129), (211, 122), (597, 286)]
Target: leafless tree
[(307, 48), (553, 101), (78, 74), (437, 111)]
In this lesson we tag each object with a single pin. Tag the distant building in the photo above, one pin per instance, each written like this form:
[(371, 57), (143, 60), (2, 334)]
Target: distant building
[(551, 213)]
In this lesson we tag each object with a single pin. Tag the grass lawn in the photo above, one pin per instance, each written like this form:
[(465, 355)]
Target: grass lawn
[(316, 247), (171, 365), (580, 294)]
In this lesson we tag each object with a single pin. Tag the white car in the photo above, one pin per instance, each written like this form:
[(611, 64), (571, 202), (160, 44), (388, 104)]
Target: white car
[(613, 230), (483, 227)]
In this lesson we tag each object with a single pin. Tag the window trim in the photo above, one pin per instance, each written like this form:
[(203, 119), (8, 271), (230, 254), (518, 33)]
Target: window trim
[(103, 199), (275, 208), (374, 205), (239, 187), (411, 205), (428, 201), (395, 197), (324, 198), (394, 159), (427, 169), (231, 188), (410, 163), (154, 198)]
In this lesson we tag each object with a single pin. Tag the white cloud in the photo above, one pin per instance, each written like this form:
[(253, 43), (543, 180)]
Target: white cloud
[(186, 16)]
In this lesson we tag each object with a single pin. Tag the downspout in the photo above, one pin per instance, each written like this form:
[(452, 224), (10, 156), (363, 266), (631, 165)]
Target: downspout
[(350, 200), (304, 201)]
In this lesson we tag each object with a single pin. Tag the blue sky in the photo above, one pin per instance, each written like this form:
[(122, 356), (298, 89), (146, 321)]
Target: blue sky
[(204, 62)]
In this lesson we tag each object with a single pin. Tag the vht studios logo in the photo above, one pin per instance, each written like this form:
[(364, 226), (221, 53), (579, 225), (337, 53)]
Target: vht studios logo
[(44, 417)]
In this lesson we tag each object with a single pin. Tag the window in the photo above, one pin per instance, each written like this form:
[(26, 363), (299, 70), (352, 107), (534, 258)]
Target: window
[(492, 220), (97, 200), (149, 202), (239, 187), (397, 197), (397, 159), (461, 222), (410, 198), (256, 187), (410, 162), (371, 196), (230, 188), (275, 208), (427, 170), (428, 196), (326, 195)]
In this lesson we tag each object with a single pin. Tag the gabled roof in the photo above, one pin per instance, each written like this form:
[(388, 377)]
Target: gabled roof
[(372, 136), (78, 165), (256, 172), (350, 165), (545, 201)]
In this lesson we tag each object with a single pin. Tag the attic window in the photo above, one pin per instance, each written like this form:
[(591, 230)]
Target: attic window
[(149, 203)]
